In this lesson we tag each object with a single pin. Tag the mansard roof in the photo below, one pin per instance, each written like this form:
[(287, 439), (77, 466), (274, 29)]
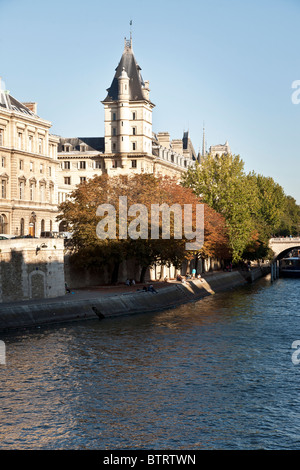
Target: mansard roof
[(92, 143), (136, 82), (12, 104)]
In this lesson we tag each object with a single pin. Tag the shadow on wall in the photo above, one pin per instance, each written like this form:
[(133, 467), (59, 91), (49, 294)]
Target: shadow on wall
[(21, 279)]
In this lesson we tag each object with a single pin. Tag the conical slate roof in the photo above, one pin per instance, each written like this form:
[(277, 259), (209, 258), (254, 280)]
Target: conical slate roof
[(136, 82)]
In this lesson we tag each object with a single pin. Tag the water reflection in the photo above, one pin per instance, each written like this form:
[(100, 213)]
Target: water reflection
[(213, 374)]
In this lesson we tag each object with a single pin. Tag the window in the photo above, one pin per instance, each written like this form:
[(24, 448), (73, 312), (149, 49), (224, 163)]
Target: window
[(114, 131), (133, 164), (30, 143), (49, 170), (134, 116), (3, 223), (41, 168), (31, 166), (114, 116), (67, 180), (82, 165), (133, 145), (42, 193), (22, 227), (20, 136), (3, 189), (51, 194), (31, 188), (134, 131), (114, 164), (21, 189), (98, 164), (21, 164), (42, 225), (114, 146), (66, 165), (3, 162), (82, 179), (1, 137), (40, 145)]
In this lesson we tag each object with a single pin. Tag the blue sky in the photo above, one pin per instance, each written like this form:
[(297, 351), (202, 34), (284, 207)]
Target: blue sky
[(227, 63)]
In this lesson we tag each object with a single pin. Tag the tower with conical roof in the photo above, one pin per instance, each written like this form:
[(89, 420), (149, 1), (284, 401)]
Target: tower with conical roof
[(128, 111)]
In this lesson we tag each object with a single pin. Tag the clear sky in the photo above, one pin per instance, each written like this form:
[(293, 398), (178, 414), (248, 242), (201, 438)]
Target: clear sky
[(229, 64)]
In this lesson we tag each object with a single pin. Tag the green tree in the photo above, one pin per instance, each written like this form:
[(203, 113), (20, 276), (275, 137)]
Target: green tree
[(222, 183), (290, 219)]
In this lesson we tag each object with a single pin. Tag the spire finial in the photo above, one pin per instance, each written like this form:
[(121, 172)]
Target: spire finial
[(130, 33), (128, 42)]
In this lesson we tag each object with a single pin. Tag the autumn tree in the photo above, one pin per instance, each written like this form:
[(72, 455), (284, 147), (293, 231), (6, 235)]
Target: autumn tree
[(140, 193)]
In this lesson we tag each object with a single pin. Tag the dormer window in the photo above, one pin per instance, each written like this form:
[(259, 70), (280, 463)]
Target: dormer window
[(67, 147)]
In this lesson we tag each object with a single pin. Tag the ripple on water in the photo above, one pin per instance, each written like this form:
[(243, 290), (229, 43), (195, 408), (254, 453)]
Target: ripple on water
[(213, 374)]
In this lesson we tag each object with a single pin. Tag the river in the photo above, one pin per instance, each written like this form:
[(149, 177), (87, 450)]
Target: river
[(215, 374)]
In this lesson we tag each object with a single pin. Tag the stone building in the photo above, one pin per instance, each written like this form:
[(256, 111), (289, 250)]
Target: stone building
[(129, 145), (28, 169), (220, 149)]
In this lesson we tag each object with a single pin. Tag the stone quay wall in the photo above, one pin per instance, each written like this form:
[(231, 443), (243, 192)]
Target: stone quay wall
[(95, 305), (31, 268)]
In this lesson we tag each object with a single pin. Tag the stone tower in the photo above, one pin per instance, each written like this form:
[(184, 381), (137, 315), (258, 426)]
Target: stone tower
[(128, 110)]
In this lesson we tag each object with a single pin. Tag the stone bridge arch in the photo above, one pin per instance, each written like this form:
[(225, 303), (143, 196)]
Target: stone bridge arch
[(281, 246)]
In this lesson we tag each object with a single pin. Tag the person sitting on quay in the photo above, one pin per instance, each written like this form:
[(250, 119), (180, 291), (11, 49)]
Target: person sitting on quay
[(151, 289)]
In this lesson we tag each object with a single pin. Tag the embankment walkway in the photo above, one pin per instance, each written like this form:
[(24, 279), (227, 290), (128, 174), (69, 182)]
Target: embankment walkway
[(111, 301)]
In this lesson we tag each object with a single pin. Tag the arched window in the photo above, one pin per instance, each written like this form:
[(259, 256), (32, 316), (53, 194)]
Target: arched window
[(42, 225), (3, 223), (22, 227)]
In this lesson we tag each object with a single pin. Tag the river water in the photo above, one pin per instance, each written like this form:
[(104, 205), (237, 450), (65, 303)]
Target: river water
[(215, 374)]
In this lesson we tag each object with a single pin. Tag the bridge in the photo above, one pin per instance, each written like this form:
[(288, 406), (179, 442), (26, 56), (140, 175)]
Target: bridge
[(282, 245)]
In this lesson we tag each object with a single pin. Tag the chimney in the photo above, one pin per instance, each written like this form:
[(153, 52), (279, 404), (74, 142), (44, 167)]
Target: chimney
[(32, 107)]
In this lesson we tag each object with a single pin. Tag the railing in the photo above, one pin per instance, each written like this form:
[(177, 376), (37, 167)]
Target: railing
[(284, 240)]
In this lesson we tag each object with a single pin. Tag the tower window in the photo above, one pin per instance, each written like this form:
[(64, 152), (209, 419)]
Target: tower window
[(133, 145), (134, 131), (133, 116), (114, 116)]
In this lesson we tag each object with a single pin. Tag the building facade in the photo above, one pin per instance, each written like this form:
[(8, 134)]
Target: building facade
[(129, 145), (220, 149), (28, 169)]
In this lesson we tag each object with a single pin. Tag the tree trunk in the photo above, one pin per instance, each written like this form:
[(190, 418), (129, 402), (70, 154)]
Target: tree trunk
[(115, 273), (143, 274)]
